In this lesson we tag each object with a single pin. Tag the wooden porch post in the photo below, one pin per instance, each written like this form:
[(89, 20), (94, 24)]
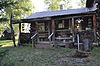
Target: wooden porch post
[(73, 28), (94, 21), (49, 32), (94, 25), (37, 28), (53, 30), (19, 34)]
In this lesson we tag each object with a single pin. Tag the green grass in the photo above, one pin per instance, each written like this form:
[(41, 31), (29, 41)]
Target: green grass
[(6, 43), (27, 56)]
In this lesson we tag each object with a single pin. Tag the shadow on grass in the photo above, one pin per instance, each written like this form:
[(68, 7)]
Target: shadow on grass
[(5, 46), (4, 51), (27, 56), (2, 54)]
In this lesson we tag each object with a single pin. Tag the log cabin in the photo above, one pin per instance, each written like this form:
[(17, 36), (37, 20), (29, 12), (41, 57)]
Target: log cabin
[(60, 27)]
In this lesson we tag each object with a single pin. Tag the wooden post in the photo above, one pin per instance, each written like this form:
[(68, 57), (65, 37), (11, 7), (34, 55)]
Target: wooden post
[(49, 32), (69, 23), (73, 29), (78, 41), (53, 30), (37, 28), (19, 34), (94, 21), (94, 26)]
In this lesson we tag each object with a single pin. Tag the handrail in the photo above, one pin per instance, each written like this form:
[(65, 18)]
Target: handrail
[(34, 35), (98, 35), (78, 41), (50, 35)]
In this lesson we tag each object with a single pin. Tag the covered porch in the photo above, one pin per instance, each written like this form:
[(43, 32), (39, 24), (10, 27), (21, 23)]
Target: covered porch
[(60, 31), (58, 27)]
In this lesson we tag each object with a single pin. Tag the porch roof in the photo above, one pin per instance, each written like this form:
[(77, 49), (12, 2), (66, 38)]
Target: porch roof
[(61, 13)]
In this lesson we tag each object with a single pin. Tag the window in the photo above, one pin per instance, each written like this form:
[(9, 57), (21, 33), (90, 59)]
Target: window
[(60, 25), (25, 27), (41, 26)]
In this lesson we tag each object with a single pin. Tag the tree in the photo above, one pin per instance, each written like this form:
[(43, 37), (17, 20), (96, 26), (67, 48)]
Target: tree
[(82, 3), (5, 3), (12, 30), (68, 4), (19, 9), (54, 5)]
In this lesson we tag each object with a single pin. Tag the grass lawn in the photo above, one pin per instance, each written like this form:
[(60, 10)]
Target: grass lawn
[(27, 56)]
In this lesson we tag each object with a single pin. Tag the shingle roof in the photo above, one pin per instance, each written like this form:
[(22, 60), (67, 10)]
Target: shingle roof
[(60, 12)]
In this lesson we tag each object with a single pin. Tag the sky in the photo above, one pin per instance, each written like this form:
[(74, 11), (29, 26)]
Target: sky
[(41, 6)]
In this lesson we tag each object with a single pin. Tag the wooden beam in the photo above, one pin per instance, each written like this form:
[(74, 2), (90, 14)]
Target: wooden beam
[(19, 34), (73, 29), (53, 25), (37, 28), (94, 26), (49, 32), (53, 30), (36, 19), (94, 21)]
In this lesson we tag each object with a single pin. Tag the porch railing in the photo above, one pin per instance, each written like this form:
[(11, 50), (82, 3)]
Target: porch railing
[(78, 41), (50, 36), (33, 38), (98, 38), (34, 35)]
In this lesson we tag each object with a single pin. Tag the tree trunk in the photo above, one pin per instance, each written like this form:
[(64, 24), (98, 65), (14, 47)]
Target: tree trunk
[(12, 31)]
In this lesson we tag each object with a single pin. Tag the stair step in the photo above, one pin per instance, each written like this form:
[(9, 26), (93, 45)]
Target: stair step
[(44, 42), (64, 38), (95, 43), (64, 43), (82, 43), (61, 44), (68, 42), (77, 43)]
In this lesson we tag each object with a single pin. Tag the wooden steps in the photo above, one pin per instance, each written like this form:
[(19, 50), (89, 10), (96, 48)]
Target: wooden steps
[(64, 38), (44, 42), (63, 41), (94, 43)]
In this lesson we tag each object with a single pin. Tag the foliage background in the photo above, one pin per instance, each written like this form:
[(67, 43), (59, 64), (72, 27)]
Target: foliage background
[(19, 8)]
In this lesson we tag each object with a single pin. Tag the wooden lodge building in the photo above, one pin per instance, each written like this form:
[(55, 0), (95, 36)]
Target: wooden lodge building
[(60, 27)]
